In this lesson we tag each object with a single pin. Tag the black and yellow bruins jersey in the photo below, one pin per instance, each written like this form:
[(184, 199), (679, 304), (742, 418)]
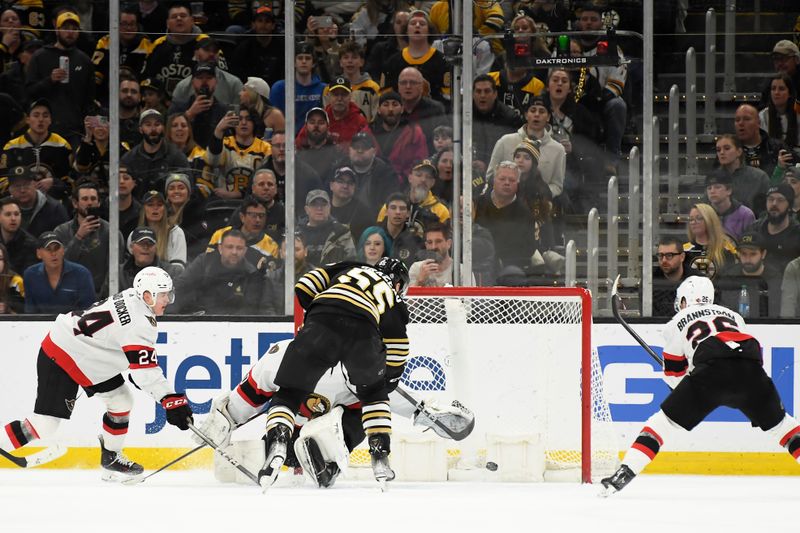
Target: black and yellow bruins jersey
[(233, 168), (31, 15), (132, 56), (517, 95), (170, 62), (51, 158)]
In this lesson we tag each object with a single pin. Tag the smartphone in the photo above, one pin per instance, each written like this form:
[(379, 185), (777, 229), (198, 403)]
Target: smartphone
[(233, 110), (96, 212), (324, 22), (204, 91), (197, 9), (424, 255)]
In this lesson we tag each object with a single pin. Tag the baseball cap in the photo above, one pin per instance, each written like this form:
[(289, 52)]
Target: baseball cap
[(719, 176), (150, 195), (538, 100), (304, 48), (40, 102), (31, 44), (783, 189), (342, 171), (204, 68), (20, 174), (317, 110), (47, 238), (150, 113), (785, 48), (389, 95), (258, 85), (143, 233), (362, 138), (340, 83), (316, 194), (152, 84), (751, 239), (206, 42), (67, 16), (263, 11), (427, 164)]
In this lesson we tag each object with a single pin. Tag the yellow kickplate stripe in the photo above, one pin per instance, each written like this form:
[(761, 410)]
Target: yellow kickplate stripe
[(149, 458), (724, 464)]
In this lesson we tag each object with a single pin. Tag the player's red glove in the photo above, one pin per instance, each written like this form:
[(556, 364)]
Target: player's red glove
[(178, 411)]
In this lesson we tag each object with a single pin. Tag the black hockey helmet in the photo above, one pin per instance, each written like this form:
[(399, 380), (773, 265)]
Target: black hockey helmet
[(397, 272)]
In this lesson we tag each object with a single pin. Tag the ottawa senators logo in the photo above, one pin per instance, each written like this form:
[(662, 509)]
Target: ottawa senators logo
[(315, 406)]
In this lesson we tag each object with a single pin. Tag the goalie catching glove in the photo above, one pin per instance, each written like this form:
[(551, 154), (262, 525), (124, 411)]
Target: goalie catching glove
[(459, 420), (178, 411), (219, 424)]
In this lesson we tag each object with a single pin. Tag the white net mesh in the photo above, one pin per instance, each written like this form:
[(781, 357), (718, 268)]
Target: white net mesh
[(515, 360)]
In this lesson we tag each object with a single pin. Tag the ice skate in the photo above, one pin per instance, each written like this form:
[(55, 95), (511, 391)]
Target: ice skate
[(116, 466), (277, 443), (617, 482), (379, 455)]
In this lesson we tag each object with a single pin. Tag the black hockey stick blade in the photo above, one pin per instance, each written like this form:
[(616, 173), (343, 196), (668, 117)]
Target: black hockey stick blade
[(618, 317), (137, 480), (224, 454), (455, 435)]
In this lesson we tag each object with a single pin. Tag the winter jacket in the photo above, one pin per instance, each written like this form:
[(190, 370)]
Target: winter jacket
[(45, 214), (21, 250), (750, 185), (91, 252), (736, 219), (552, 158), (488, 127), (330, 242), (342, 130), (403, 147), (226, 92), (306, 97), (150, 170)]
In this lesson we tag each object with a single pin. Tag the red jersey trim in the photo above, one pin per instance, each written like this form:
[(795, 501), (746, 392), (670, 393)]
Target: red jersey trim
[(63, 359), (735, 336)]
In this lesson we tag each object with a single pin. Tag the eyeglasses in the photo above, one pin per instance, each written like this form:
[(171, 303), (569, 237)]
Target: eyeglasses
[(696, 219), (669, 256), (253, 214)]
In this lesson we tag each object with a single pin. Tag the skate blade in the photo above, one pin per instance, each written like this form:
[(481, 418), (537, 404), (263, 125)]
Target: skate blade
[(605, 492), (383, 484), (120, 477), (271, 473), (132, 480)]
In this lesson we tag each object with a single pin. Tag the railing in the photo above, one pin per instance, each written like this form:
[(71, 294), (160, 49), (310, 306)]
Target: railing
[(634, 213), (729, 82), (612, 232), (709, 122), (571, 268), (691, 112), (593, 256), (673, 173)]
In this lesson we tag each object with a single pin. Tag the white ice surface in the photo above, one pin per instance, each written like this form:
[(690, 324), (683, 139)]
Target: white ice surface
[(193, 502)]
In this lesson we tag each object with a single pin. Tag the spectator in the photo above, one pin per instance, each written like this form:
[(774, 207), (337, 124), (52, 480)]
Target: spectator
[(91, 157), (153, 96), (396, 40), (255, 95), (172, 55), (130, 98), (46, 154), (260, 246), (13, 78), (316, 147), (264, 188), (780, 232), (170, 239), (55, 285), (402, 240), (179, 133), (364, 90), (750, 184), (420, 54), (401, 143), (70, 91), (790, 290), (488, 19), (345, 118), (709, 250), (327, 240), (228, 86), (669, 273), (761, 279), (260, 52), (611, 78), (306, 178), (133, 49), (417, 108), (153, 17), (142, 254), (20, 246), (151, 159), (534, 193), (202, 108), (12, 289), (86, 238), (345, 207), (375, 179), (12, 121), (129, 206), (779, 118), (39, 211), (759, 150), (511, 224), (308, 87), (234, 158), (186, 208), (436, 269), (325, 43), (442, 138), (792, 178), (552, 158), (735, 217), (492, 119), (373, 20), (442, 187), (785, 59), (274, 301), (373, 245), (221, 282), (12, 38)]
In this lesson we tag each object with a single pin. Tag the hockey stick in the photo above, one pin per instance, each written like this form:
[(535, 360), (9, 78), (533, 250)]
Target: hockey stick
[(455, 435), (136, 481), (224, 454), (618, 317), (51, 453)]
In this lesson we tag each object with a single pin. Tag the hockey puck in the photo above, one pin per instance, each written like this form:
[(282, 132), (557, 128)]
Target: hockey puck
[(491, 466)]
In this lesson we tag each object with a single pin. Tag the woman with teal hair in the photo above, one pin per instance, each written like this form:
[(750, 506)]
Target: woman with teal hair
[(373, 244)]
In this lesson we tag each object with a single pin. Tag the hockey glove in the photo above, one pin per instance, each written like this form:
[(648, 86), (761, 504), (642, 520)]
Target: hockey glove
[(178, 411)]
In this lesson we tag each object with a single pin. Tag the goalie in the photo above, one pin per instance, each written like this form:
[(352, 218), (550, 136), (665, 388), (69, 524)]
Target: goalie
[(328, 426)]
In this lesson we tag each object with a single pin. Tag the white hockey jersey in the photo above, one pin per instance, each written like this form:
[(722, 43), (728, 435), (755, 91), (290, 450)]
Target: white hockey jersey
[(114, 335), (690, 327)]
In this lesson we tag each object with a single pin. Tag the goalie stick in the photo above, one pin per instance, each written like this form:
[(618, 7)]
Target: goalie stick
[(51, 453), (455, 435), (224, 454), (618, 317)]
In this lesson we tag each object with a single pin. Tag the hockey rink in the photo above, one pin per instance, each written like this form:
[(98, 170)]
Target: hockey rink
[(77, 501)]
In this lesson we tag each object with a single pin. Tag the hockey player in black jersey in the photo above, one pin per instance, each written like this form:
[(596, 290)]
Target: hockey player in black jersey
[(711, 361), (356, 315)]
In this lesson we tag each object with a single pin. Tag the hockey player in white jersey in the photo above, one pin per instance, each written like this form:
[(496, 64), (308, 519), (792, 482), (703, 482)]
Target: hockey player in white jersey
[(330, 417), (710, 360), (91, 349)]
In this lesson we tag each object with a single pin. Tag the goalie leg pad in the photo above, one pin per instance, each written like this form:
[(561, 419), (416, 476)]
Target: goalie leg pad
[(320, 446), (219, 424), (456, 417)]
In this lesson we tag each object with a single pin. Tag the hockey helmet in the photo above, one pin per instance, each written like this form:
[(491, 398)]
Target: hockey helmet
[(153, 280), (397, 272), (695, 290)]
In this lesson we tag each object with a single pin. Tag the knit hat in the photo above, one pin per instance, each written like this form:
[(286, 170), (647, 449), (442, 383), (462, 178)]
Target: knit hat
[(785, 190), (531, 147), (390, 95), (177, 176)]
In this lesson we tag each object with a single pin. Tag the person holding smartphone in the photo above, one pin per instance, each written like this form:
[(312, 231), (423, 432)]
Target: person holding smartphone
[(435, 266)]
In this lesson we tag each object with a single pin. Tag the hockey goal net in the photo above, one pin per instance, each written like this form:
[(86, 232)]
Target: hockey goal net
[(522, 360)]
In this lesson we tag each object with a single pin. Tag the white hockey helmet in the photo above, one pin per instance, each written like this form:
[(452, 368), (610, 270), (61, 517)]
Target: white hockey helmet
[(695, 290), (153, 280)]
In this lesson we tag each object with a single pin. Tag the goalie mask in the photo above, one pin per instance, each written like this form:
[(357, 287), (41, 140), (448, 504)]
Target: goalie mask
[(695, 290), (153, 280)]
